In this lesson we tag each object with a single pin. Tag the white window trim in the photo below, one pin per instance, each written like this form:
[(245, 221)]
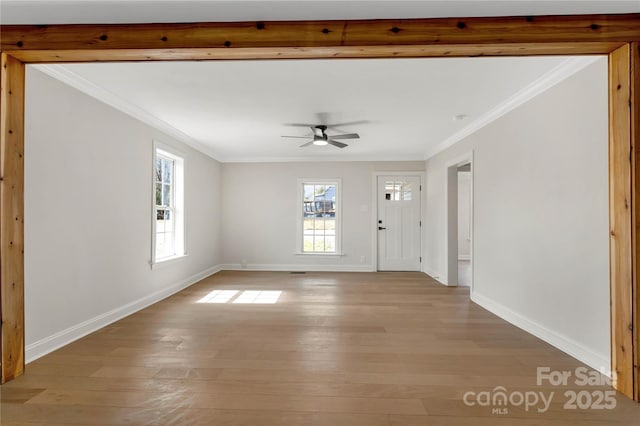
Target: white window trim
[(179, 192), (299, 216)]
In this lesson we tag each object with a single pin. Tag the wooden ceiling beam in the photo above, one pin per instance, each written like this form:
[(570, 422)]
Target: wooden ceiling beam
[(409, 37), (343, 52)]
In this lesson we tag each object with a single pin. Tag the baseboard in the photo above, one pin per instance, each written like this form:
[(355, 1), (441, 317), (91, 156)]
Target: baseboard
[(594, 360), (435, 276), (296, 268), (51, 343)]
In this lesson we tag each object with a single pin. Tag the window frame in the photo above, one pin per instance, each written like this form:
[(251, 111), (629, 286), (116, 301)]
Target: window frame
[(177, 203), (300, 215)]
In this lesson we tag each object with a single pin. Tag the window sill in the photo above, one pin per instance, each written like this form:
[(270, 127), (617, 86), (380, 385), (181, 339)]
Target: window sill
[(167, 261), (299, 253)]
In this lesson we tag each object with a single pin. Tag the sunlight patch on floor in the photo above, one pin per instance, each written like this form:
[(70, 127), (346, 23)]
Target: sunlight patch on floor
[(246, 297), (218, 296), (260, 296)]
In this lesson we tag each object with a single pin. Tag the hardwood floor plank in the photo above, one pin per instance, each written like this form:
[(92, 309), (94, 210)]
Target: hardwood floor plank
[(224, 400)]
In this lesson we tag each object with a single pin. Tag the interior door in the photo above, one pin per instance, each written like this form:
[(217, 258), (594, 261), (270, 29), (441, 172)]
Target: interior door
[(399, 235)]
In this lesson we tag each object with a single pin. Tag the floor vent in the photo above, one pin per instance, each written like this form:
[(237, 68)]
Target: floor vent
[(297, 272)]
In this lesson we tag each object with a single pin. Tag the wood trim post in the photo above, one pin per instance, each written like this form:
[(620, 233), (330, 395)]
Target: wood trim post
[(12, 91), (634, 112), (623, 217)]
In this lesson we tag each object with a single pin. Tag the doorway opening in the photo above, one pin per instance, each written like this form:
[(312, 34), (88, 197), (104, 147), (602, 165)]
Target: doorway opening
[(460, 222), (464, 225)]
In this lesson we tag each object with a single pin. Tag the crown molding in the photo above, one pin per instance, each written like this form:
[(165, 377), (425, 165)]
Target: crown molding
[(559, 73), (72, 79), (320, 159), (85, 86)]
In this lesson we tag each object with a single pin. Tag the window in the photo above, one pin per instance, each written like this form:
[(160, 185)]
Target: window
[(398, 190), (168, 206), (319, 216)]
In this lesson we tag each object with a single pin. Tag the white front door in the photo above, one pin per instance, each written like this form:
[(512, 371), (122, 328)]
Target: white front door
[(399, 235)]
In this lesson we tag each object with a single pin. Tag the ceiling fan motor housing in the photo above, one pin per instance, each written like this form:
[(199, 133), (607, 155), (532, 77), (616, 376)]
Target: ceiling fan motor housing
[(319, 134)]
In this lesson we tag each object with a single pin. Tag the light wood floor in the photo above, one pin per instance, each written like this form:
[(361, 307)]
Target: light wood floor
[(336, 349), (464, 273)]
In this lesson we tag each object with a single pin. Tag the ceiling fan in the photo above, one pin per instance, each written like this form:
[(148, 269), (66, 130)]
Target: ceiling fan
[(320, 136)]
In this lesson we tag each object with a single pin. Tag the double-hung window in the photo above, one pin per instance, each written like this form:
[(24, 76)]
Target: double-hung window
[(168, 209), (319, 204)]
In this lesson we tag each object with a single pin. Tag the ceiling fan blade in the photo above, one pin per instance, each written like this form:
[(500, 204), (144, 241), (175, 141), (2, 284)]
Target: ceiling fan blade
[(336, 143), (350, 123), (346, 136), (296, 137), (306, 144), (299, 125), (325, 118)]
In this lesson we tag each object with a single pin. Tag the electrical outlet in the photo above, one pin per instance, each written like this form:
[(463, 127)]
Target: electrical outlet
[(362, 259)]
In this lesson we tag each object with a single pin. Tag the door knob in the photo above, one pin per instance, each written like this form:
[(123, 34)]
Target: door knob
[(380, 228)]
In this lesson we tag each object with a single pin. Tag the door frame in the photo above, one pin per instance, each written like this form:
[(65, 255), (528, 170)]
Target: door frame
[(615, 35), (451, 215), (374, 213)]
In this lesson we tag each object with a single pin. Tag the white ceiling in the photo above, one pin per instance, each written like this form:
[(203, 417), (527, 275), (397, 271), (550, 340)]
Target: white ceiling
[(236, 111), (118, 11)]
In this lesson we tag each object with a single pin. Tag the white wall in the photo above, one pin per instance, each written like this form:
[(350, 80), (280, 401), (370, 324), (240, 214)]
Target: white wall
[(540, 243), (88, 215), (464, 218), (260, 213)]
